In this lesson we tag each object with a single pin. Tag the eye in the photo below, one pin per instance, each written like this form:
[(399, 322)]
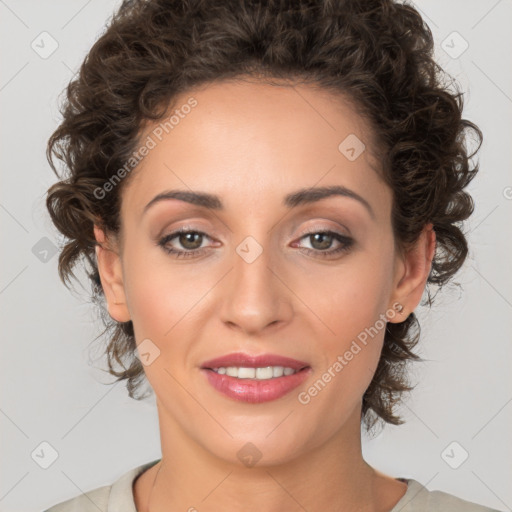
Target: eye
[(190, 240), (322, 241)]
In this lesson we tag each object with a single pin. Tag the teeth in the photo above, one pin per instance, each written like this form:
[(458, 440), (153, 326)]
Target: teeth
[(267, 372), (263, 373), (231, 371), (242, 373), (277, 371)]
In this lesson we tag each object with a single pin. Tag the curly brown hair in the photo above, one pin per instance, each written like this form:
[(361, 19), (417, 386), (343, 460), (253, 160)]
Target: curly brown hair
[(378, 53)]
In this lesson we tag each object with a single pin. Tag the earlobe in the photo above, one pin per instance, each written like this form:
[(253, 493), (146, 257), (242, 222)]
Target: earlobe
[(111, 276), (416, 266)]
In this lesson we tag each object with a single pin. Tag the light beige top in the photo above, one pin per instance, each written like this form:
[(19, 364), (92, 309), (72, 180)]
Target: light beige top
[(118, 497)]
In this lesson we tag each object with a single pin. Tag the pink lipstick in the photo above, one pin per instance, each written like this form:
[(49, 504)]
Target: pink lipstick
[(255, 379)]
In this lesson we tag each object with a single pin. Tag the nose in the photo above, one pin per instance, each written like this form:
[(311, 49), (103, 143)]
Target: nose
[(254, 297)]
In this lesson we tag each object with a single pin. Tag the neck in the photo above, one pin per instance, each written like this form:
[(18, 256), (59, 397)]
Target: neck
[(328, 477)]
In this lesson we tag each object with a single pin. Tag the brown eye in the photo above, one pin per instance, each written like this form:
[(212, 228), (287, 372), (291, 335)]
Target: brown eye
[(321, 241), (187, 243), (190, 240)]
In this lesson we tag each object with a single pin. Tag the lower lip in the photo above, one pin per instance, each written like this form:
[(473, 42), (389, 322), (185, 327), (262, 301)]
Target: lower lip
[(255, 391)]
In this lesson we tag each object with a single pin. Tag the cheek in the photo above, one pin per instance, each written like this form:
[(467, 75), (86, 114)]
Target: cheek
[(348, 299), (161, 303), (349, 360), (351, 304), (159, 291), (150, 301)]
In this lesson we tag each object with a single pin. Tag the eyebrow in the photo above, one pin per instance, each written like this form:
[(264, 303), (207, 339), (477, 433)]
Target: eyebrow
[(300, 197)]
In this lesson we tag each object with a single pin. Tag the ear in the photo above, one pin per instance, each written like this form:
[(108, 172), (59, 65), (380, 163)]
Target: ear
[(111, 276), (411, 273)]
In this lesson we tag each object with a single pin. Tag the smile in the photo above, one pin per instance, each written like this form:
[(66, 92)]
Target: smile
[(255, 378), (262, 373)]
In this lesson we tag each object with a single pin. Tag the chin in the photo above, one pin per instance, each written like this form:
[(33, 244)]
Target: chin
[(255, 451)]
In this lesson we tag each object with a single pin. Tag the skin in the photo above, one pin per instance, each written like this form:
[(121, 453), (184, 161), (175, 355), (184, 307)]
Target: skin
[(252, 143)]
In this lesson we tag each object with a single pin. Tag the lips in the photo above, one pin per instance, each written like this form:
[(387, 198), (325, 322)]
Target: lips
[(247, 361), (253, 390)]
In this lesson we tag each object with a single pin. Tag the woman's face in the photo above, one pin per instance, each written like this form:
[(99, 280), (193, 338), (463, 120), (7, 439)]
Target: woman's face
[(258, 275)]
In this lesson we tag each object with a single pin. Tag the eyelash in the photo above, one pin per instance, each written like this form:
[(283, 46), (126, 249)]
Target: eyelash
[(346, 242)]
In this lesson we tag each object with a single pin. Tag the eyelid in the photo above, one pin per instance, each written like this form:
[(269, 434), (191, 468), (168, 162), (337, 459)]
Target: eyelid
[(308, 231), (173, 233), (314, 228), (340, 230)]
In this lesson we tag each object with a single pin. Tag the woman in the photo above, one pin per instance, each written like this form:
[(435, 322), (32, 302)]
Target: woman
[(263, 192)]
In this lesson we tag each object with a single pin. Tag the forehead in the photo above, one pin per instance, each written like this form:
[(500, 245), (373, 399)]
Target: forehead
[(250, 140)]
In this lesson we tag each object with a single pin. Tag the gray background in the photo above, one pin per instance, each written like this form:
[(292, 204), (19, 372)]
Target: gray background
[(50, 390)]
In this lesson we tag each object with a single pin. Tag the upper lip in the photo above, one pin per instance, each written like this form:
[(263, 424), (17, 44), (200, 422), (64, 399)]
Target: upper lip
[(240, 359)]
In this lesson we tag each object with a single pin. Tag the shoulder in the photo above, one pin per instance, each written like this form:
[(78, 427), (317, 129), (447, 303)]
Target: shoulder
[(419, 499), (92, 501), (117, 497)]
